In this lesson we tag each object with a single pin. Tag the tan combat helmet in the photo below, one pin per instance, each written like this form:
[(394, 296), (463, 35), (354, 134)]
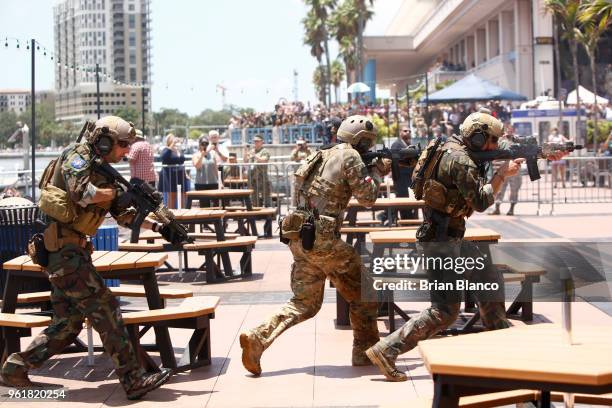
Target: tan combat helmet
[(116, 128), (478, 127), (358, 131)]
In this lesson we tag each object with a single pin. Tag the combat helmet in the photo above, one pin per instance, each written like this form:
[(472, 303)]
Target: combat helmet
[(478, 127), (109, 130), (358, 131)]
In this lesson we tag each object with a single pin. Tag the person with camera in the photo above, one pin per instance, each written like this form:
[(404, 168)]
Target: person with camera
[(324, 184), (220, 151), (301, 151), (206, 163), (76, 199)]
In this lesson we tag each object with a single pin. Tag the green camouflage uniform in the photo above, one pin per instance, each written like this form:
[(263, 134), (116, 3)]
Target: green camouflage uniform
[(78, 291), (459, 174), (338, 175), (258, 178), (297, 154)]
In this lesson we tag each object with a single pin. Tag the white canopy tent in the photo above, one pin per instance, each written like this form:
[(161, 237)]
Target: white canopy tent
[(586, 96)]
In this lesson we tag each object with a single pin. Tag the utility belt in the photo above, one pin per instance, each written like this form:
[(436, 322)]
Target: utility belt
[(308, 225), (57, 236)]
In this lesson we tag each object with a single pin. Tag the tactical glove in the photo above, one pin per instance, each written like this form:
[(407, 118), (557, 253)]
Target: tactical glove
[(383, 165)]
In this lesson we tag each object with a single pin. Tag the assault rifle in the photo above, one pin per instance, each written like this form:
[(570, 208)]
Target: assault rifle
[(527, 148), (145, 200), (406, 157)]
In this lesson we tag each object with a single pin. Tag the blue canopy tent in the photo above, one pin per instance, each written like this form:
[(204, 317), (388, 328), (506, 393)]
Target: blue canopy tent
[(472, 89)]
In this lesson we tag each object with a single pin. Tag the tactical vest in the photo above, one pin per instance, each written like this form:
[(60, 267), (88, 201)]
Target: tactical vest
[(444, 198), (320, 183), (56, 202)]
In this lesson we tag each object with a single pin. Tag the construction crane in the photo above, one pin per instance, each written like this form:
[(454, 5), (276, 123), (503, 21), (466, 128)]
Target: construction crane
[(223, 89)]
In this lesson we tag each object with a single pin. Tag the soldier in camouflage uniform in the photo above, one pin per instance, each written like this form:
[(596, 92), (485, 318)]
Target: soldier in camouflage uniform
[(325, 183), (458, 188), (78, 291), (258, 175)]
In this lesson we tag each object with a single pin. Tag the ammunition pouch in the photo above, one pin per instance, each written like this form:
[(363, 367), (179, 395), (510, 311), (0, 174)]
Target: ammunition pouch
[(37, 250), (326, 232), (447, 201), (307, 168), (291, 225), (90, 218), (57, 204)]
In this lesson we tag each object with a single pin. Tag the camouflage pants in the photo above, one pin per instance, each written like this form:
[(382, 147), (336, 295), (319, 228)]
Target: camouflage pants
[(260, 183), (445, 305), (78, 291), (515, 184), (339, 262)]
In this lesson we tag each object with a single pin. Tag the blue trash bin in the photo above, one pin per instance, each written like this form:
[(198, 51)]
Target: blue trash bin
[(18, 222), (107, 239)]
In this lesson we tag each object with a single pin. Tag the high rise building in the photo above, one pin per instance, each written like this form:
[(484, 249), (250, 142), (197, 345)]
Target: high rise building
[(14, 100), (115, 34)]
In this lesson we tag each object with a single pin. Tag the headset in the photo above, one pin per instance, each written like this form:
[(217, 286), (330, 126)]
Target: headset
[(103, 142), (479, 137)]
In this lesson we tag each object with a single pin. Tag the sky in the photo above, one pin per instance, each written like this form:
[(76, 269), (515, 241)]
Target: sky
[(249, 47)]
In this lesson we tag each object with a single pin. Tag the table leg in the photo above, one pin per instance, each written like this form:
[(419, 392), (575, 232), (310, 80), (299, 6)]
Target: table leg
[(189, 201), (342, 310), (162, 334), (248, 203), (9, 302), (351, 216), (544, 399), (444, 396)]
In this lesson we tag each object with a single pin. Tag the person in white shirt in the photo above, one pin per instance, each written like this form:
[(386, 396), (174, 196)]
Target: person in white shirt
[(558, 166), (220, 150)]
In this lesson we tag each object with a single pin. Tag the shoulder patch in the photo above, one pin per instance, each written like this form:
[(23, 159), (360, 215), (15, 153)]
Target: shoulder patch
[(77, 163)]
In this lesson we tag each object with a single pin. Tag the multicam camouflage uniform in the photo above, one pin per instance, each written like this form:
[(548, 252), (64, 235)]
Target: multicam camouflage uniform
[(78, 291), (339, 174), (258, 178), (463, 179)]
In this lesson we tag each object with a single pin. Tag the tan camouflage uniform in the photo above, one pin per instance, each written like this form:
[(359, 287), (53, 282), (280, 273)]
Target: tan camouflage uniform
[(78, 291), (297, 154), (459, 174), (340, 175), (258, 178)]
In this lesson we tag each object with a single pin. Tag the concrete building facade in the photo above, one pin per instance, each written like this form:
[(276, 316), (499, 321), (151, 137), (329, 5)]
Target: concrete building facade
[(508, 42), (14, 100), (112, 33)]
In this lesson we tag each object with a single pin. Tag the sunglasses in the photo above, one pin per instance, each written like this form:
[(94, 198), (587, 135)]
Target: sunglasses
[(123, 143)]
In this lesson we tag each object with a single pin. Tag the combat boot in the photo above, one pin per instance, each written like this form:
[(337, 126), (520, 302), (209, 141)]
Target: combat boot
[(511, 210), (148, 382), (496, 210), (359, 358), (15, 375), (385, 364), (252, 349)]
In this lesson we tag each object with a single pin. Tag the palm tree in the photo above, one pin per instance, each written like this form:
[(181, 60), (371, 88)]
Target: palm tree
[(318, 80), (566, 13), (346, 25), (596, 18), (337, 76), (316, 33)]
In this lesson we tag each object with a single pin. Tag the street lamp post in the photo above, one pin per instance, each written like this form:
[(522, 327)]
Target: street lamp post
[(33, 127)]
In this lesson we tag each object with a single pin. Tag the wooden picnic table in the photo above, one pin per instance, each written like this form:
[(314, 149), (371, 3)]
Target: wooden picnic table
[(235, 182), (225, 195), (396, 237), (391, 205), (489, 362), (138, 266)]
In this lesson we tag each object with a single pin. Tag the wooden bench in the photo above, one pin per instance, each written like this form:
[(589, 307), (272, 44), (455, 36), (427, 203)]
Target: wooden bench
[(415, 222), (210, 249), (246, 220), (494, 399), (123, 290), (391, 308), (359, 233), (194, 313), (14, 326), (592, 399)]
